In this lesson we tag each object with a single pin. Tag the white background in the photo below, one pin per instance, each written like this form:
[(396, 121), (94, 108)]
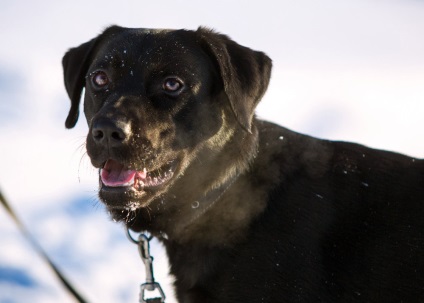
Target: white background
[(348, 70)]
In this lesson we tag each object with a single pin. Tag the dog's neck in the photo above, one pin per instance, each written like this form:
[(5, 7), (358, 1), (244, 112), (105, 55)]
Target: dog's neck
[(197, 205), (207, 201)]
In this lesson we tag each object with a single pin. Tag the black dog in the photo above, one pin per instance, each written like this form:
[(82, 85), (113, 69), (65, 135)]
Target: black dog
[(248, 211)]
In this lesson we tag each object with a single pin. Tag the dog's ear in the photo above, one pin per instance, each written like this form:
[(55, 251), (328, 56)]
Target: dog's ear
[(75, 65), (245, 73)]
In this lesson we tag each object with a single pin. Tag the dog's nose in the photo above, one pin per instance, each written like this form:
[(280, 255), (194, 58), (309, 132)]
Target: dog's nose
[(110, 133)]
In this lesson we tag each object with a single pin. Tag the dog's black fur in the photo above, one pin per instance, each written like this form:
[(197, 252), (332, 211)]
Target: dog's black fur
[(253, 212)]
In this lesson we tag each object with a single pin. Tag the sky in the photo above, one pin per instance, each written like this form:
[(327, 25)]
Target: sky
[(347, 70)]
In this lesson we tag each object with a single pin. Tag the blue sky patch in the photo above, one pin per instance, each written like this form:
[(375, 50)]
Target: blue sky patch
[(16, 276)]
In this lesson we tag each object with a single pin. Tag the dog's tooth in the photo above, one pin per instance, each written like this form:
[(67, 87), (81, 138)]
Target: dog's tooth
[(129, 183)]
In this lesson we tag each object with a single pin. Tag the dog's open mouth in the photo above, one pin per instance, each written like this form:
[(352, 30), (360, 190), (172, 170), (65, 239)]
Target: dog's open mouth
[(116, 175)]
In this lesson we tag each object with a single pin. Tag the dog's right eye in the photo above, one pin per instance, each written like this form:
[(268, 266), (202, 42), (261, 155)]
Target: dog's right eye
[(173, 85), (100, 79)]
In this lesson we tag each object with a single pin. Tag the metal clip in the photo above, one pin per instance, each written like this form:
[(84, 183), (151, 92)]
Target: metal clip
[(144, 250), (151, 287)]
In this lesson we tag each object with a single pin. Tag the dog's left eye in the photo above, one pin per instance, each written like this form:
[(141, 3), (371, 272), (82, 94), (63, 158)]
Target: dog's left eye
[(172, 85)]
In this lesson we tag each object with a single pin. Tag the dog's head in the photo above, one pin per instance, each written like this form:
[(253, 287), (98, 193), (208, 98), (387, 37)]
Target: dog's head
[(159, 103)]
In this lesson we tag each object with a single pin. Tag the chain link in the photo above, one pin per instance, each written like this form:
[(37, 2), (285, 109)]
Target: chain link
[(144, 251)]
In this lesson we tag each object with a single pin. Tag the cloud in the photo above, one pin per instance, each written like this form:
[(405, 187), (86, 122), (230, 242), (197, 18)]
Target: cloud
[(13, 86)]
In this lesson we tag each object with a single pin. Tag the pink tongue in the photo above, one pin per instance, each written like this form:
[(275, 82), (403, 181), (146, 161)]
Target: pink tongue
[(114, 174)]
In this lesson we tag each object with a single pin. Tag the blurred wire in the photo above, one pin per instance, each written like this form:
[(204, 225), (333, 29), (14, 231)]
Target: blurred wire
[(40, 250)]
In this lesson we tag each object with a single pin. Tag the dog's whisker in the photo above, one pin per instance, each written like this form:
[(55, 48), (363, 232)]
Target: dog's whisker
[(81, 161), (82, 146), (148, 209)]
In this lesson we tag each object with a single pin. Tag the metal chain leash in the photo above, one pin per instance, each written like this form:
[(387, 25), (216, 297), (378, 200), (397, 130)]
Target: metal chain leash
[(150, 284)]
